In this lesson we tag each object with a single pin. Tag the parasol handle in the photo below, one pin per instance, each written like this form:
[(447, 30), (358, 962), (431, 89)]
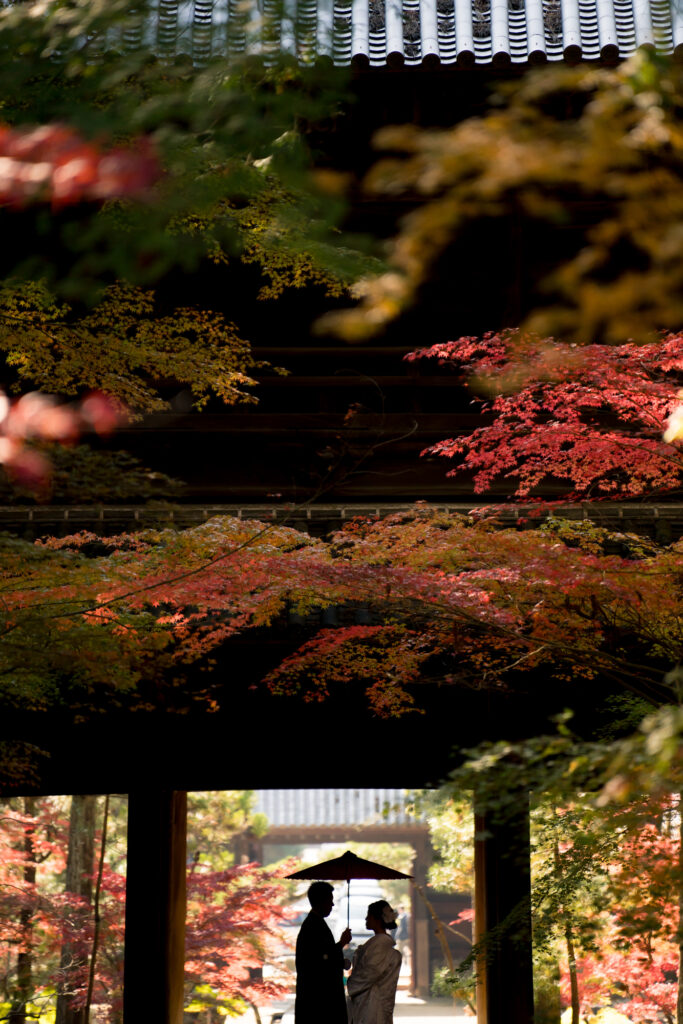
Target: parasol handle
[(348, 902)]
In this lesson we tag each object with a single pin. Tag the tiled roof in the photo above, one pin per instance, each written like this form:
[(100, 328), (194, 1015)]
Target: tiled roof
[(417, 33), (286, 808)]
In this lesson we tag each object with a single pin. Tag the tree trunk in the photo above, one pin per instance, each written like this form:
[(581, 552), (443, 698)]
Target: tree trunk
[(79, 882), (17, 1013), (443, 941), (257, 1015), (569, 940), (573, 978), (98, 916)]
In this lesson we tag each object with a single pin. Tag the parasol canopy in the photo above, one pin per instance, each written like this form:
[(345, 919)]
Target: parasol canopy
[(346, 867)]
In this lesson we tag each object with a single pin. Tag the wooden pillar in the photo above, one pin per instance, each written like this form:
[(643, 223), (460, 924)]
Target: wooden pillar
[(155, 907), (414, 900), (420, 923), (502, 907)]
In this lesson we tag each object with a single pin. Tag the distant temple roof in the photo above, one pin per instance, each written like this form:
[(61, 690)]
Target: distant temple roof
[(414, 33), (287, 808)]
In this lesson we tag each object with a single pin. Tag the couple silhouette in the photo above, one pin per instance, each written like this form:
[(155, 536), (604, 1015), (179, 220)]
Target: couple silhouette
[(320, 964)]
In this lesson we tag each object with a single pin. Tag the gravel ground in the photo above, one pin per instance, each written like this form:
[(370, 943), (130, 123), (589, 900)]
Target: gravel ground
[(408, 1011), (416, 1011)]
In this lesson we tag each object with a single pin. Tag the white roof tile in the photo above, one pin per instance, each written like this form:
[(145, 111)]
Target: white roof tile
[(417, 32), (311, 807)]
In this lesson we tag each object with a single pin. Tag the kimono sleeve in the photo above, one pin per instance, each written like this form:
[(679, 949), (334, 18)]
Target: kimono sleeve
[(369, 968)]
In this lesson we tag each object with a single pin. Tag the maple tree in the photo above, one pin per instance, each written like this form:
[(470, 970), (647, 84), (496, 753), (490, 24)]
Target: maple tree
[(233, 913), (29, 930), (36, 419), (595, 416), (605, 890), (219, 820), (605, 887), (79, 883), (439, 589), (123, 348), (118, 166), (53, 163), (615, 894), (114, 355), (598, 150), (194, 162), (636, 957), (232, 920)]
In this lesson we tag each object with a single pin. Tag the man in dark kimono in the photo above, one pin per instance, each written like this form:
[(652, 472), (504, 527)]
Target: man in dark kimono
[(320, 997)]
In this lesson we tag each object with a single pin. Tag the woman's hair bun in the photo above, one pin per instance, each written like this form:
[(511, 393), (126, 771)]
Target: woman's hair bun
[(384, 912)]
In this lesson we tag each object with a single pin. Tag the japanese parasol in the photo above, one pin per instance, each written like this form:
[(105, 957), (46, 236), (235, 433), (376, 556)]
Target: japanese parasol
[(343, 869)]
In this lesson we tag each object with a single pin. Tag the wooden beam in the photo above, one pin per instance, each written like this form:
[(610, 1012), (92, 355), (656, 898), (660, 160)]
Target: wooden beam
[(375, 833), (155, 907)]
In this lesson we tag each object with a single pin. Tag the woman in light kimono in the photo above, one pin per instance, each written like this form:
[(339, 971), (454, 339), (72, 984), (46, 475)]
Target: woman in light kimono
[(376, 965)]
